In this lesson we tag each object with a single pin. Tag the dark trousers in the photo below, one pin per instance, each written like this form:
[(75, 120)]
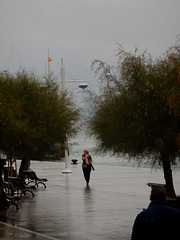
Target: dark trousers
[(87, 172)]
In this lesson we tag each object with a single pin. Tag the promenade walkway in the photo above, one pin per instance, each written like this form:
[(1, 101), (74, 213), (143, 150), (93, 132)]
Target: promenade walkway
[(67, 210)]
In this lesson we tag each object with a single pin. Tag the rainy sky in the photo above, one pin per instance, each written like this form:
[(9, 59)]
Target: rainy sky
[(80, 31)]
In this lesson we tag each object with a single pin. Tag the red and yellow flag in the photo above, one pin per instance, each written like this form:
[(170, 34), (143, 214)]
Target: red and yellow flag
[(49, 59)]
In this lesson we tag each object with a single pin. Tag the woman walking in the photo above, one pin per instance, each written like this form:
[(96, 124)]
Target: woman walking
[(86, 165)]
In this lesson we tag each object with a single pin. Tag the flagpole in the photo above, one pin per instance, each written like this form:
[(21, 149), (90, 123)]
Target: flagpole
[(62, 75), (45, 70), (48, 66)]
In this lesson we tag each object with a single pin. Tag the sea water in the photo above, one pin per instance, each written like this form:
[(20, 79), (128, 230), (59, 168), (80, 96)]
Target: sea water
[(83, 140)]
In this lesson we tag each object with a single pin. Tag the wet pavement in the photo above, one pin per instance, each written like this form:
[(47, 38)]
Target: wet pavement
[(68, 210)]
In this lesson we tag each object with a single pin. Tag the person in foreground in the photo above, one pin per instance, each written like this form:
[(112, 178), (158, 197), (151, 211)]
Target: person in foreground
[(158, 221), (86, 165)]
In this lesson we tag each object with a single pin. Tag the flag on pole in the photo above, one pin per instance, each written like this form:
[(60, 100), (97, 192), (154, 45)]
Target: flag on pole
[(49, 59)]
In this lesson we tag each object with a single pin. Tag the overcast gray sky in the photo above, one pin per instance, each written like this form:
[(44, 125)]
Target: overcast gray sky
[(81, 31)]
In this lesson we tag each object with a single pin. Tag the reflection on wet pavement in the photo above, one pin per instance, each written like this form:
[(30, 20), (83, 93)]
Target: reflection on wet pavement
[(67, 209)]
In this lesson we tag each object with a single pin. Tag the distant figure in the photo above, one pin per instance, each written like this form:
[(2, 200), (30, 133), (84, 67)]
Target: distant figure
[(158, 221), (86, 165)]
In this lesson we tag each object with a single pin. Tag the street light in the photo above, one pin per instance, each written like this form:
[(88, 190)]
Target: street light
[(83, 86)]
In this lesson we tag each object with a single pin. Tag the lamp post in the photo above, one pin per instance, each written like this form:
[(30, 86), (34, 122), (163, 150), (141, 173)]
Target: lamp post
[(66, 170), (63, 82)]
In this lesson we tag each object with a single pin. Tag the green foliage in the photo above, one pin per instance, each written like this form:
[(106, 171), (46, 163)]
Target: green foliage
[(138, 109), (33, 117), (132, 115)]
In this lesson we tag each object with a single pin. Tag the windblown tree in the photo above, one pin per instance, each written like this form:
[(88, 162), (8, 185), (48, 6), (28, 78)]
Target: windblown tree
[(136, 112), (33, 118)]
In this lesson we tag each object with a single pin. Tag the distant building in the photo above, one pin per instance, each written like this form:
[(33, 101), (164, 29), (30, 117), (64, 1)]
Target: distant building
[(4, 73)]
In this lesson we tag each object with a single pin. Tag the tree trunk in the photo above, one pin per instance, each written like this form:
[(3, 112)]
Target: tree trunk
[(25, 164), (168, 175)]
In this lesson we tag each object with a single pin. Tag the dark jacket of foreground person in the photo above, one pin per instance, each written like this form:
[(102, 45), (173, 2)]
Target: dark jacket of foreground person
[(158, 221)]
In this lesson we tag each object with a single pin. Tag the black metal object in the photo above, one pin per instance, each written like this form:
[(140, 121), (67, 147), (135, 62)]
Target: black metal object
[(18, 185), (6, 201), (74, 161), (32, 178)]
